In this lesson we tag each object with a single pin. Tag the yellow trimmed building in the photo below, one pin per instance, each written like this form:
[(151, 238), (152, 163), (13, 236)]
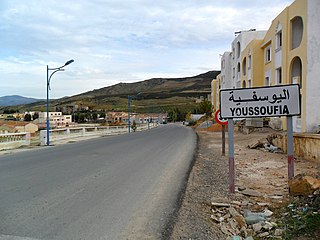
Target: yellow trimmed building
[(289, 52)]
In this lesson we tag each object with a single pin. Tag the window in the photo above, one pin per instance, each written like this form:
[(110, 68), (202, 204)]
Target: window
[(279, 75), (238, 49), (244, 66), (279, 40), (296, 32), (249, 83), (266, 81), (233, 72), (233, 52), (267, 54), (249, 62)]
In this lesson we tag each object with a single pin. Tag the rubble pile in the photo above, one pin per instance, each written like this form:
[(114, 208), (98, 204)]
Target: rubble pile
[(266, 145), (249, 217), (245, 219)]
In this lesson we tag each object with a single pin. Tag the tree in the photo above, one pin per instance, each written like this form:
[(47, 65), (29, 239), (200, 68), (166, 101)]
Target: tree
[(27, 117), (134, 126), (35, 116), (206, 108), (94, 116)]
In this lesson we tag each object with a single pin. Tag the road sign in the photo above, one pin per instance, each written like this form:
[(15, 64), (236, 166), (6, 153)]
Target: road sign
[(219, 119), (282, 100)]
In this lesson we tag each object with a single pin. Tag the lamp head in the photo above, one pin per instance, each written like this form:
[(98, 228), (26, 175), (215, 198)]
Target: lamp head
[(70, 61)]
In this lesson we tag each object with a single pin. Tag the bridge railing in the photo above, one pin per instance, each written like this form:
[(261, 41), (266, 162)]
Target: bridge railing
[(14, 140), (76, 132)]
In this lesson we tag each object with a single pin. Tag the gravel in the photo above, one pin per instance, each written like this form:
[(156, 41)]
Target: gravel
[(208, 179)]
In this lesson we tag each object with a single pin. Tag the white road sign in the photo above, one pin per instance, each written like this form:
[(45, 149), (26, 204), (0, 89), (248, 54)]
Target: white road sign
[(282, 100)]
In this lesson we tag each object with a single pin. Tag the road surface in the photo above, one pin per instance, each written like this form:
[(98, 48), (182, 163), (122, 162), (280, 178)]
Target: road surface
[(120, 187)]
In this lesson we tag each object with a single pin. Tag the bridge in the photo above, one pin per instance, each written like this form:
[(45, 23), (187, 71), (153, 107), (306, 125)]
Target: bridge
[(16, 140)]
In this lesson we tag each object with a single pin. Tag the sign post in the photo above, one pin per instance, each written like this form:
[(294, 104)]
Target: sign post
[(290, 148), (223, 122), (231, 154), (274, 101)]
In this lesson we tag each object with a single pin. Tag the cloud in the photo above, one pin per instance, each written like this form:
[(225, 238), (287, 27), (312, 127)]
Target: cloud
[(113, 40)]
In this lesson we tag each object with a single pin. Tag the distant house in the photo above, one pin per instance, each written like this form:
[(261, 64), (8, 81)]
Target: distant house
[(56, 119), (17, 126)]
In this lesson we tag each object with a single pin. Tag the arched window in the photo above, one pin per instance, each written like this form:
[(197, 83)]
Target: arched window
[(238, 49), (296, 32), (244, 84), (244, 66), (296, 71)]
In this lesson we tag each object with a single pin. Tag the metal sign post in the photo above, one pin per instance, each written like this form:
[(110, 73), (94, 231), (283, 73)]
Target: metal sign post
[(281, 100), (290, 147), (223, 122), (223, 137), (231, 154)]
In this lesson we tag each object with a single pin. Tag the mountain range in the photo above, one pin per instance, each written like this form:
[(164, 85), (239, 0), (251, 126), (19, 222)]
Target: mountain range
[(156, 93), (14, 100)]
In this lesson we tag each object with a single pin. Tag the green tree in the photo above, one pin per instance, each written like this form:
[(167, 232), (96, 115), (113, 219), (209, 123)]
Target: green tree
[(134, 126), (94, 116), (27, 117), (35, 116), (206, 108)]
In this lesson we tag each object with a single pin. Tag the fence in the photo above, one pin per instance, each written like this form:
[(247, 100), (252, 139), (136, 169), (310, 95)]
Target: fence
[(70, 133), (14, 140)]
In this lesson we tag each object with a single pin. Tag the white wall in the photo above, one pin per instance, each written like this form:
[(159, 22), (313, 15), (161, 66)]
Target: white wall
[(226, 72), (313, 66)]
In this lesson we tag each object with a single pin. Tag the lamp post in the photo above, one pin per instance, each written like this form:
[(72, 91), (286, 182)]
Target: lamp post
[(48, 89), (148, 115), (129, 98)]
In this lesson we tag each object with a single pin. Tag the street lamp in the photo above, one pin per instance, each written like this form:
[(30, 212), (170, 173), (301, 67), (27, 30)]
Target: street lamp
[(129, 98), (48, 89)]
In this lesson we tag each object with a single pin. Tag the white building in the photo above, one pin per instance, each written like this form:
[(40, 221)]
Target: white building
[(56, 119)]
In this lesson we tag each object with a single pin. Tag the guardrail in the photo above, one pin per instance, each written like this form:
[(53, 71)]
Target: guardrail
[(14, 140), (76, 132)]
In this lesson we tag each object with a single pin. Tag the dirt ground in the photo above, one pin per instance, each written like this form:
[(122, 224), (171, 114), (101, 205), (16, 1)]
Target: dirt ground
[(263, 172)]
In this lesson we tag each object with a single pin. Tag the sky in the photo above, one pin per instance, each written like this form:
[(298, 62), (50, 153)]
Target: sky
[(113, 41)]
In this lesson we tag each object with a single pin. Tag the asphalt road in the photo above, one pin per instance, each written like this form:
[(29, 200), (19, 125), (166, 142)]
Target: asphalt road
[(121, 187)]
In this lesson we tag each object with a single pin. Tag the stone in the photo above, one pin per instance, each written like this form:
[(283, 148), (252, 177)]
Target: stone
[(238, 203), (244, 232), (241, 221), (245, 203), (224, 229), (264, 234), (263, 204), (267, 226), (267, 213), (302, 185), (257, 227), (233, 212), (216, 204), (249, 238), (278, 232), (236, 238), (251, 193), (233, 224)]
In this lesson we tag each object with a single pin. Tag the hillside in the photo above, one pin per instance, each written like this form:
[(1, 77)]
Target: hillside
[(14, 100), (159, 94)]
